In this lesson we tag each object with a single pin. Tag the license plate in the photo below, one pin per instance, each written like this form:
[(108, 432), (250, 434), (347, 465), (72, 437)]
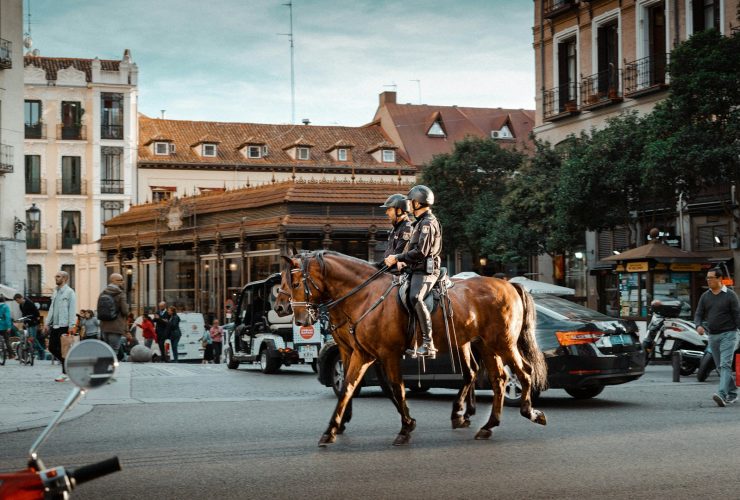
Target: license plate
[(621, 340), (308, 352)]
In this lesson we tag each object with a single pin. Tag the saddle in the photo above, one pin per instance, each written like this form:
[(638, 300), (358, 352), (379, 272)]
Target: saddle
[(432, 299)]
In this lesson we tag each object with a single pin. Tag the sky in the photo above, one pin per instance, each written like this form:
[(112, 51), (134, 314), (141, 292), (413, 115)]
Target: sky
[(229, 60)]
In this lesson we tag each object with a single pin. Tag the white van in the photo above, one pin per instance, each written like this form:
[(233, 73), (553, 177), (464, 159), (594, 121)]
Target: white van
[(192, 326)]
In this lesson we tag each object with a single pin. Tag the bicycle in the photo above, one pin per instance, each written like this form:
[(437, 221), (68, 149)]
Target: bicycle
[(24, 347)]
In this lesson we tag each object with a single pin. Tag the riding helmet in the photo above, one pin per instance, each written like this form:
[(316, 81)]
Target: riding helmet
[(422, 194), (397, 201)]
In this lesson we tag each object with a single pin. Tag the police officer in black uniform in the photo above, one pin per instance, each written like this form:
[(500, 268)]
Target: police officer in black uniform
[(397, 208), (422, 255)]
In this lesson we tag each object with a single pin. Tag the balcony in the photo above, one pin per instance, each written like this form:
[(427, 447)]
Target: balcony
[(560, 102), (6, 159), (645, 75), (554, 8), (6, 54), (71, 132), (36, 241), (66, 241), (600, 89), (111, 131), (72, 187), (36, 185), (36, 130), (111, 186)]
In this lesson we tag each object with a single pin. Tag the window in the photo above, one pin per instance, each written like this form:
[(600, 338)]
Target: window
[(71, 121), (71, 180), (111, 119), (208, 150), (706, 15), (32, 114), (161, 194), (607, 40), (108, 210), (342, 154), (436, 130), (304, 154), (111, 177), (161, 148), (34, 279), (389, 156), (712, 237), (567, 72), (33, 229), (70, 229), (504, 133), (254, 152), (70, 269), (33, 174)]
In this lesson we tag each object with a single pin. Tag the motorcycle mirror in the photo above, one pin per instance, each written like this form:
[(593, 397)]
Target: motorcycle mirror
[(90, 364)]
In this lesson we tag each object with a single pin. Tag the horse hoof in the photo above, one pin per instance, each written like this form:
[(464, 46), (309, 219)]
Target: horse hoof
[(411, 426), (460, 423), (326, 440), (402, 440), (341, 430), (483, 434), (539, 418)]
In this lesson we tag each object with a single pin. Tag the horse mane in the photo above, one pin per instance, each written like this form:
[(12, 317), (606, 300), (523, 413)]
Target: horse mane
[(320, 254)]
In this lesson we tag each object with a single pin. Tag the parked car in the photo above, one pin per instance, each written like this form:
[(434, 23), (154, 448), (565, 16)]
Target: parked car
[(584, 349)]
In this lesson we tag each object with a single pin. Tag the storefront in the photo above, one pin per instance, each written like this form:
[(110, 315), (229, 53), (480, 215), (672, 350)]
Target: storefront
[(196, 253)]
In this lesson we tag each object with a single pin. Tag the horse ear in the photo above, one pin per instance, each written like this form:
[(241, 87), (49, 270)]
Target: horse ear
[(289, 261), (292, 250)]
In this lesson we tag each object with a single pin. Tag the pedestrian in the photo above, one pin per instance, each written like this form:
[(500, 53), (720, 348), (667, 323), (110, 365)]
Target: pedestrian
[(30, 311), (90, 324), (207, 342), (61, 318), (147, 330), (217, 337), (161, 320), (718, 314), (173, 331), (113, 312), (6, 325)]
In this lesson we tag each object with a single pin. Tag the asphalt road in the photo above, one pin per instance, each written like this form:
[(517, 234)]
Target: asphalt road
[(203, 431)]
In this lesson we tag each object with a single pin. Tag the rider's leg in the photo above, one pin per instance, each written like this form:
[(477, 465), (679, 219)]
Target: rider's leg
[(420, 285)]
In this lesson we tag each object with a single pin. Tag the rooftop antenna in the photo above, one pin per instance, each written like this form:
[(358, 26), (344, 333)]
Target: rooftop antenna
[(27, 40), (418, 86), (292, 70)]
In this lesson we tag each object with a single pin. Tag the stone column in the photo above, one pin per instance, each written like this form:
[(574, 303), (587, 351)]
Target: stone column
[(326, 243), (371, 243)]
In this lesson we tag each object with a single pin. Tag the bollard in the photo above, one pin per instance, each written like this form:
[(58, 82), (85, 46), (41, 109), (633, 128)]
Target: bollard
[(676, 361)]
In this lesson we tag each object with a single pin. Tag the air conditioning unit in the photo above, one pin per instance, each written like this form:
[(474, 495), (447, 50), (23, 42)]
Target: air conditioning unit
[(494, 134), (172, 148), (265, 152)]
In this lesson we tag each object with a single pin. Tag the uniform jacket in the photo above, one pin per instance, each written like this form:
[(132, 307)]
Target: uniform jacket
[(120, 324), (63, 308), (425, 242), (398, 237)]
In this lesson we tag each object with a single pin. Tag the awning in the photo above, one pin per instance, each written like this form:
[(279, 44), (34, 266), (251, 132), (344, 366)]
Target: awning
[(540, 287), (658, 252)]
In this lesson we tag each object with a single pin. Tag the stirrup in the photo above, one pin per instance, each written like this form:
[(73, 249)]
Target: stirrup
[(427, 351)]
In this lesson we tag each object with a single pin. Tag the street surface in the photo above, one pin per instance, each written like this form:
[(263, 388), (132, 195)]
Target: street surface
[(191, 431)]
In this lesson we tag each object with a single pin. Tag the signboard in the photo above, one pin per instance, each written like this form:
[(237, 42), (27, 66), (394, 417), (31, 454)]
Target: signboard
[(637, 267), (686, 267)]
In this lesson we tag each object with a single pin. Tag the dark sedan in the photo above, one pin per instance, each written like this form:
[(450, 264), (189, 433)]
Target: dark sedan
[(584, 349)]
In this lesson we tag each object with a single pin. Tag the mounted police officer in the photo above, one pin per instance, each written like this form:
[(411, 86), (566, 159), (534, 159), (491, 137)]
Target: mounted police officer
[(397, 208), (422, 255)]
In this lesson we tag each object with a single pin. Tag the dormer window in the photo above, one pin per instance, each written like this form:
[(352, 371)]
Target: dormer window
[(342, 154), (389, 156), (303, 153), (163, 148), (436, 130), (208, 150), (254, 151), (503, 133)]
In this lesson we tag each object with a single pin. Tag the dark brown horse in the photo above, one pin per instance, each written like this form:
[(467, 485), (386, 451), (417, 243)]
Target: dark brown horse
[(498, 315)]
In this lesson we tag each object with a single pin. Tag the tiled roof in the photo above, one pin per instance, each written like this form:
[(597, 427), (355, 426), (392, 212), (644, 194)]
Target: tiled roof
[(410, 123), (234, 136), (53, 64)]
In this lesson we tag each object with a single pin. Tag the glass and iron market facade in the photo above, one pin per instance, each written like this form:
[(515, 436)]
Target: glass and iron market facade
[(197, 252)]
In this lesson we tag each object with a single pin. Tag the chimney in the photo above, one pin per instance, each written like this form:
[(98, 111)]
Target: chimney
[(387, 97)]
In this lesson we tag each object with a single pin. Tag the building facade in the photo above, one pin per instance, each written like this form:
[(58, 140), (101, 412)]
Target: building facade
[(12, 212), (595, 60), (79, 160)]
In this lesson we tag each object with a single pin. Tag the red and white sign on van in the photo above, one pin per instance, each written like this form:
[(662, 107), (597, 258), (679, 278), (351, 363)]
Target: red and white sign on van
[(306, 332)]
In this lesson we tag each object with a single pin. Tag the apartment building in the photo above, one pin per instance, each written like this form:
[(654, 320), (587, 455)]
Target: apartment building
[(79, 158)]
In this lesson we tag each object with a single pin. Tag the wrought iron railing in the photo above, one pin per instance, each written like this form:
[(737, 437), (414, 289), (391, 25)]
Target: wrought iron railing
[(559, 100), (71, 186), (111, 131), (556, 7), (601, 87), (36, 185), (6, 54), (71, 132), (646, 73), (6, 159), (66, 241), (111, 186), (35, 130)]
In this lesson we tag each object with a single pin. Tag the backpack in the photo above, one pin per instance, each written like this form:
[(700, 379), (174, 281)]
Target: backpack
[(107, 308)]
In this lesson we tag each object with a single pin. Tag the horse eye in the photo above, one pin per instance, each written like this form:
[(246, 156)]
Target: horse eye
[(296, 284)]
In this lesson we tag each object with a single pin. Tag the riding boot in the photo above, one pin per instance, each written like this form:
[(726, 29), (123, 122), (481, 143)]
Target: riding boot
[(425, 323)]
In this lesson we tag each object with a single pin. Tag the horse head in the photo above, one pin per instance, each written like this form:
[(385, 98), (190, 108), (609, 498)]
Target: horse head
[(300, 292)]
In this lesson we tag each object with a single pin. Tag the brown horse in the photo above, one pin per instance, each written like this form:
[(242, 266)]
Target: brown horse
[(498, 315)]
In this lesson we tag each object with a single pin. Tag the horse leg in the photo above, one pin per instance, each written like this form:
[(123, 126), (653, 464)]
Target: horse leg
[(523, 371), (347, 415), (459, 418), (497, 379), (398, 391), (358, 364), (470, 403)]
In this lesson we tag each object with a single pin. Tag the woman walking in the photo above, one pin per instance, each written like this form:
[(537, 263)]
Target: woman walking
[(173, 331)]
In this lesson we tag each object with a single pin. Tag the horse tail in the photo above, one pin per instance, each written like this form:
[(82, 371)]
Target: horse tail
[(527, 342)]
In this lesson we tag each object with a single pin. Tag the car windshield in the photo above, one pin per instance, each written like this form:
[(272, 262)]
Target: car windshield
[(569, 310)]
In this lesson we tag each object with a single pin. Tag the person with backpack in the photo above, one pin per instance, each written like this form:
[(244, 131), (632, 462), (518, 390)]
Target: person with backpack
[(112, 312)]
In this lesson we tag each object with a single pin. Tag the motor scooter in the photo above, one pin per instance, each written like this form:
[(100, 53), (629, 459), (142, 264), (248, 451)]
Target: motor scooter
[(667, 333), (89, 364), (707, 365)]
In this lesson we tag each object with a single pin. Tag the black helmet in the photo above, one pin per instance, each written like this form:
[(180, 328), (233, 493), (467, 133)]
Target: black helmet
[(397, 201), (422, 194)]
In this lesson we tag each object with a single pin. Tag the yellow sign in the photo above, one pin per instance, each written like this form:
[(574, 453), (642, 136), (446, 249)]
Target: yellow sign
[(686, 267), (660, 267), (637, 267), (620, 268)]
